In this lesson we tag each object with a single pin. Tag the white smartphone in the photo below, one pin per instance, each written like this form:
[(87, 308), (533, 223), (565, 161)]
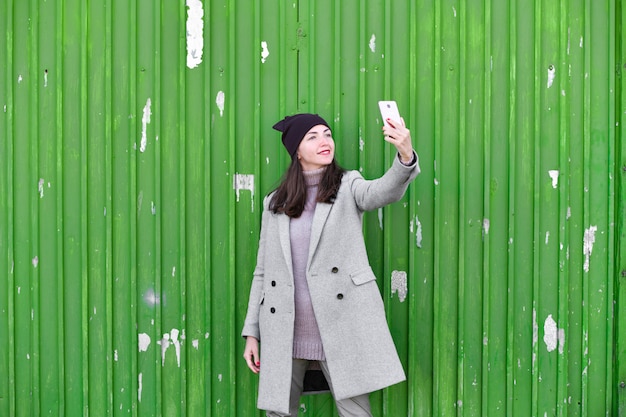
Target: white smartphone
[(389, 110)]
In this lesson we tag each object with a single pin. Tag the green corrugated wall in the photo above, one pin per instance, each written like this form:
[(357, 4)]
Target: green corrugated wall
[(136, 147)]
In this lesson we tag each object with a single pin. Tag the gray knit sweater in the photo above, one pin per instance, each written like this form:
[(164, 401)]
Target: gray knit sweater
[(307, 343)]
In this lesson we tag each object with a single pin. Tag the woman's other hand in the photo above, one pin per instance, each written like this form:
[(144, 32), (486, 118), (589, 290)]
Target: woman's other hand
[(399, 136), (251, 354)]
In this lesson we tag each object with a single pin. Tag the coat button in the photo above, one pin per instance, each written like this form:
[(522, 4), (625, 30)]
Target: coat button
[(334, 270), (340, 296), (272, 310), (273, 283)]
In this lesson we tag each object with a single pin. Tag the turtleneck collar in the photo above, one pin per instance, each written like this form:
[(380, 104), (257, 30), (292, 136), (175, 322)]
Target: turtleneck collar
[(314, 176)]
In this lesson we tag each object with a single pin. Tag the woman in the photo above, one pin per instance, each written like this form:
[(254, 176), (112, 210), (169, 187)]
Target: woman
[(314, 301)]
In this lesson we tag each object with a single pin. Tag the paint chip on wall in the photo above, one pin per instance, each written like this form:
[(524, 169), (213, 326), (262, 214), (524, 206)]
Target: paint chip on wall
[(264, 52), (552, 335), (418, 232), (588, 241), (219, 100), (143, 342), (244, 182), (145, 120), (399, 284), (373, 43), (551, 75), (554, 174), (195, 28)]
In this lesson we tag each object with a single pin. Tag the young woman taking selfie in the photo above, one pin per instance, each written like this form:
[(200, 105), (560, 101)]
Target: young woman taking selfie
[(315, 315)]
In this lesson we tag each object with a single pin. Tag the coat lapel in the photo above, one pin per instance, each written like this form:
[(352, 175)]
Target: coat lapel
[(319, 219), (285, 242)]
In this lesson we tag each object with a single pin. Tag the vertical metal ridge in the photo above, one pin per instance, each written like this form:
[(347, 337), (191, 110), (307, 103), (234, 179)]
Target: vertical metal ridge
[(460, 19), (586, 395), (437, 207), (563, 234), (60, 270), (612, 176), (107, 223), (7, 262), (535, 160), (510, 336)]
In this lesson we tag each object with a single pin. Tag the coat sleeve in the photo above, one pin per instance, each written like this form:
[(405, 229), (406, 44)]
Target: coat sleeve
[(373, 194), (251, 324)]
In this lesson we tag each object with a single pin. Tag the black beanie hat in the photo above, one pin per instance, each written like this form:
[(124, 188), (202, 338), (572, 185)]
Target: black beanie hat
[(295, 127)]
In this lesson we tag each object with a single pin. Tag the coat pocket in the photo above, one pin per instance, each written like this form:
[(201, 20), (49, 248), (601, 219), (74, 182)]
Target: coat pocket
[(363, 275)]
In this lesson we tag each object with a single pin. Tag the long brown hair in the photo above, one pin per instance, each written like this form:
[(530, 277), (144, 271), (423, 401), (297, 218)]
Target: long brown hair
[(290, 196)]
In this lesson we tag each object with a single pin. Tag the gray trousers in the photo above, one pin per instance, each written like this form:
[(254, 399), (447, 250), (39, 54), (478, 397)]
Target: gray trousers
[(350, 407)]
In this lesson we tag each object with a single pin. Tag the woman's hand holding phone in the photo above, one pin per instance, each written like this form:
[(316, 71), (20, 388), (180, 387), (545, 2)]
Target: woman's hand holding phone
[(395, 130)]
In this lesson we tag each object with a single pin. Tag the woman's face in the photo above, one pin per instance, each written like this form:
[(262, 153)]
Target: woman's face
[(317, 148)]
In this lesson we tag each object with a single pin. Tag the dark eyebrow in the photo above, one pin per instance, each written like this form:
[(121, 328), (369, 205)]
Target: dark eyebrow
[(315, 133)]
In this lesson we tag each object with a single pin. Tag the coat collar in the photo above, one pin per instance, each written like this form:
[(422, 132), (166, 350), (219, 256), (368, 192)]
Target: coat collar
[(319, 220), (322, 210)]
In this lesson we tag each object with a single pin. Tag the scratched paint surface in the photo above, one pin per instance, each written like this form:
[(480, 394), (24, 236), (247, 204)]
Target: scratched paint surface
[(136, 148)]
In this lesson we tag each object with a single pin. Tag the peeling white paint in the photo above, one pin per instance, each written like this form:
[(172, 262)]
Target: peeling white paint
[(551, 75), (380, 218), (165, 344), (143, 342), (176, 344), (569, 213), (372, 43), (168, 340), (219, 100), (454, 11), (195, 28), (115, 356), (554, 174), (399, 284), (547, 237), (19, 79), (153, 208), (264, 52), (195, 343), (581, 42), (588, 241), (173, 271), (139, 385), (35, 261), (40, 187), (145, 119), (418, 232), (552, 335), (486, 225), (244, 182)]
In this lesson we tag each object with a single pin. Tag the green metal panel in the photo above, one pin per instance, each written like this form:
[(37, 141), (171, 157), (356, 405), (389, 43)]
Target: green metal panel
[(136, 148)]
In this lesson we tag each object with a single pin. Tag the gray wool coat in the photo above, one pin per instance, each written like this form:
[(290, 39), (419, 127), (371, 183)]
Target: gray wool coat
[(348, 307)]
